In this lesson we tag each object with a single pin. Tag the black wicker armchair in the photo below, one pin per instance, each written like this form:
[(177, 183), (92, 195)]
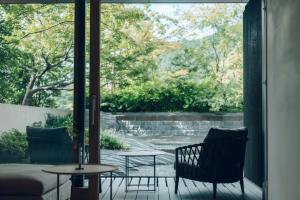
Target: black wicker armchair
[(219, 159)]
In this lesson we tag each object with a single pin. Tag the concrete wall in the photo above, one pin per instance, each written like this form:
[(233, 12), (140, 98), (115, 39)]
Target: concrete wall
[(283, 45), (18, 117)]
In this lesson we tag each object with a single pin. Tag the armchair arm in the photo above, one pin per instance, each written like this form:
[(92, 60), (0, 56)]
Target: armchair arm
[(189, 154), (86, 153)]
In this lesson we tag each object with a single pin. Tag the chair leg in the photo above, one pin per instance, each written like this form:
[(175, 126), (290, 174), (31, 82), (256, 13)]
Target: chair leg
[(215, 190), (242, 185), (176, 184), (100, 185)]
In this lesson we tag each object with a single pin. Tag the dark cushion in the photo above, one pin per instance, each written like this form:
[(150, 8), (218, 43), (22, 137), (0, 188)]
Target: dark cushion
[(219, 134), (206, 159), (25, 179), (49, 145)]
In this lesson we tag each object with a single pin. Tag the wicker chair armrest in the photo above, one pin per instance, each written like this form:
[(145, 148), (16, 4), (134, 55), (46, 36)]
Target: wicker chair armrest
[(189, 154)]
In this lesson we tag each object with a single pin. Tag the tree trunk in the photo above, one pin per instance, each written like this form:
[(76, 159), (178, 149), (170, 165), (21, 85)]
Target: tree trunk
[(27, 99)]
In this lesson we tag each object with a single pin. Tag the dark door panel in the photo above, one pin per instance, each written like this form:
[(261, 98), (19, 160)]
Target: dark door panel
[(253, 91)]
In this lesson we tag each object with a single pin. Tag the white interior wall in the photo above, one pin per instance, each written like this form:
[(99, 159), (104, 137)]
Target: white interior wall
[(283, 44)]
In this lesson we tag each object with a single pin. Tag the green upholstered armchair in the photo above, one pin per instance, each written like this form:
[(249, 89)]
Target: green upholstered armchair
[(49, 145)]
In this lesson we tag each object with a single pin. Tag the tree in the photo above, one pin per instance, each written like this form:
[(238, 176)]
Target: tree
[(45, 41), (129, 46), (36, 49), (8, 55), (216, 57)]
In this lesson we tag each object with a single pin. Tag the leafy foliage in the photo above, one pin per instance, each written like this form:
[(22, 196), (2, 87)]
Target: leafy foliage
[(129, 47), (36, 54), (45, 52), (13, 146), (53, 121), (173, 95)]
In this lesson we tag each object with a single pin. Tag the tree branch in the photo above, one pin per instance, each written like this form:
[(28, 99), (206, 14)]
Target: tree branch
[(54, 86), (46, 29)]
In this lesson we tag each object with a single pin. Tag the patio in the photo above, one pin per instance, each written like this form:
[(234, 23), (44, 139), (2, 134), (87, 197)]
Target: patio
[(166, 182), (187, 190)]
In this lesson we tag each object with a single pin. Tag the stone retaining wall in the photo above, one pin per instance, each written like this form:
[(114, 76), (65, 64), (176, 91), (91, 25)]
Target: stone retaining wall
[(152, 124)]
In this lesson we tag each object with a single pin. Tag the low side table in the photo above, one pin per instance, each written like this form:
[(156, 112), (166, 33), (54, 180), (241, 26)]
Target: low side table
[(149, 153), (89, 169)]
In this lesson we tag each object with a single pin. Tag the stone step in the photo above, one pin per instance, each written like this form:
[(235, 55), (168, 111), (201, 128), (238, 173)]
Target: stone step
[(173, 126), (163, 132)]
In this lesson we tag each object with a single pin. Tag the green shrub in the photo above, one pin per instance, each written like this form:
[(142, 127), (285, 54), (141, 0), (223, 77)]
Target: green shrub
[(53, 121), (171, 96), (108, 140), (13, 146), (112, 142)]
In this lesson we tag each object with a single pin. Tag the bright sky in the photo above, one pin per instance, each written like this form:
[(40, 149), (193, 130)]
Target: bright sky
[(174, 11), (171, 9)]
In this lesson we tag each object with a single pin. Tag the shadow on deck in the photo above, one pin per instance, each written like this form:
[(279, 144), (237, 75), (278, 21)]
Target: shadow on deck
[(188, 190)]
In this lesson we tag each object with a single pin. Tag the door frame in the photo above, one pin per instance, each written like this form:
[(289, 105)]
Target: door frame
[(264, 54)]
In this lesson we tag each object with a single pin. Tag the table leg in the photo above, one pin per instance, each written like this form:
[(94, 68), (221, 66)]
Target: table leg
[(126, 173), (154, 166), (57, 187), (111, 185)]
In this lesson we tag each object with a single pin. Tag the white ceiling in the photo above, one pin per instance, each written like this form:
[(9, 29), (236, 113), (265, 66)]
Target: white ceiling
[(127, 1)]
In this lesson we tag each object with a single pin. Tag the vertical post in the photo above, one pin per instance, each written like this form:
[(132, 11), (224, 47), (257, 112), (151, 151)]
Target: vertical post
[(110, 195), (57, 187), (94, 114), (79, 86), (154, 174), (126, 173)]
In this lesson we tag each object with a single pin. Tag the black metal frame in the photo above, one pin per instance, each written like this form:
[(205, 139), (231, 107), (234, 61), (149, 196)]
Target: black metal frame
[(127, 176)]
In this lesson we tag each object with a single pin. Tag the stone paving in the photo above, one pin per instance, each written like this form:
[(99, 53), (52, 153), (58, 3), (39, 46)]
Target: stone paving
[(164, 163)]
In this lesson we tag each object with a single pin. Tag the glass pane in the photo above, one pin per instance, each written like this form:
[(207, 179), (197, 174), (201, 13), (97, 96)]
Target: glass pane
[(169, 72), (36, 89)]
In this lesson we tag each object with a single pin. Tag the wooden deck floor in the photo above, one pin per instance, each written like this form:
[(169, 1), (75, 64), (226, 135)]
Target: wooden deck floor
[(188, 190)]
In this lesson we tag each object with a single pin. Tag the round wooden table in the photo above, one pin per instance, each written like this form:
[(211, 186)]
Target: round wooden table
[(144, 153), (88, 169)]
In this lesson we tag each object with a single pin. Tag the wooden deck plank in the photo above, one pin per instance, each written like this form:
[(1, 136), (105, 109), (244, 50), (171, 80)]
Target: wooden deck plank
[(226, 194), (203, 190), (163, 191), (142, 195), (184, 191), (120, 189), (105, 187), (131, 195), (188, 190), (193, 191), (238, 193), (254, 189), (248, 195), (171, 188)]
